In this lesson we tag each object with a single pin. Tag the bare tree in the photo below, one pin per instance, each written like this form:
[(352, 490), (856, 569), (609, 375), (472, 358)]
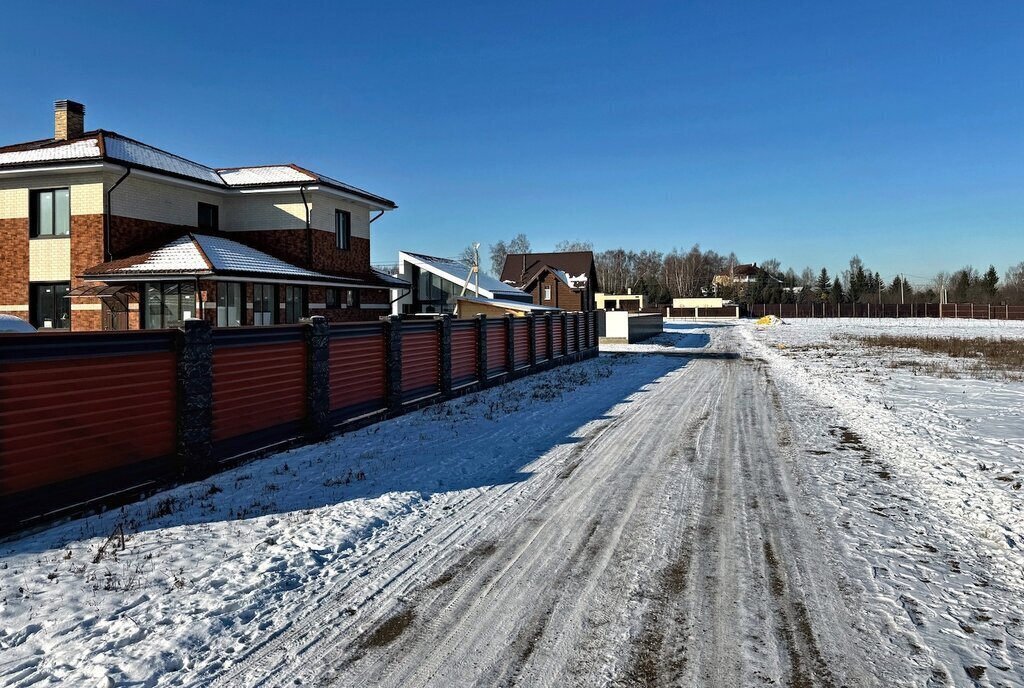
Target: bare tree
[(1013, 284), (571, 246)]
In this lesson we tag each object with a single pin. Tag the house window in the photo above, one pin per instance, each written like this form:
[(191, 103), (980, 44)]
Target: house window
[(229, 304), (547, 292), (294, 304), (343, 228), (342, 298), (49, 307), (209, 216), (50, 213), (264, 304), (168, 304)]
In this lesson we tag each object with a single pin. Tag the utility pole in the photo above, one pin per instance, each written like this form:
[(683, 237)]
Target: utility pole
[(902, 282)]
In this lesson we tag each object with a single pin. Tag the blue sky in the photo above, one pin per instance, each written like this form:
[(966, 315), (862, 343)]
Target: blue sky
[(801, 131)]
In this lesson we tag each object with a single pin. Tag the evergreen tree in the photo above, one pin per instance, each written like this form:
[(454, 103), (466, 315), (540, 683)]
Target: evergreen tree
[(989, 280), (837, 291), (823, 285)]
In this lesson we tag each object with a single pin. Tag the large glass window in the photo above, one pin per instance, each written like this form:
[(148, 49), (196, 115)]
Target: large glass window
[(229, 304), (169, 303), (50, 307), (343, 228), (294, 303), (264, 304), (50, 213)]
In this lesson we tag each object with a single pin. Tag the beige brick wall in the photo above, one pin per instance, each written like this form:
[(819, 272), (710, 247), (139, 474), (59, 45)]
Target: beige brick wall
[(49, 260), (263, 211), (322, 215), (147, 199), (86, 193)]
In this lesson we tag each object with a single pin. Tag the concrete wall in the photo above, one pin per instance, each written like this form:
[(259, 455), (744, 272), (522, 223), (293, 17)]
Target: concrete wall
[(621, 326), (698, 303)]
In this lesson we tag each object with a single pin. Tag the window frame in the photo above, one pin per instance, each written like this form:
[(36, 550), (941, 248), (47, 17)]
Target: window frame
[(146, 317), (239, 287), (290, 316), (215, 215), (34, 231), (342, 229), (33, 308), (547, 292), (259, 297)]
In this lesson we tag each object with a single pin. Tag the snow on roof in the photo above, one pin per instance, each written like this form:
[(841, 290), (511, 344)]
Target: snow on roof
[(120, 148), (107, 145), (459, 272), (510, 305), (181, 255), (76, 150), (271, 174), (231, 256)]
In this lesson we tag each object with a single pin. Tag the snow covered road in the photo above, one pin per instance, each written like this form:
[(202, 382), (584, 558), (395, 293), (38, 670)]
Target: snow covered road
[(745, 515)]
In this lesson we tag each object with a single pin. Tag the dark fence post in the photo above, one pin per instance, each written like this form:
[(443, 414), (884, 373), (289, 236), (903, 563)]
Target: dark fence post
[(195, 397), (565, 333), (510, 343), (444, 324), (481, 349), (550, 343), (531, 329), (318, 376), (393, 349)]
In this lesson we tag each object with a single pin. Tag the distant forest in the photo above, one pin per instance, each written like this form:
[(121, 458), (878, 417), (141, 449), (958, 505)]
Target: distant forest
[(664, 276)]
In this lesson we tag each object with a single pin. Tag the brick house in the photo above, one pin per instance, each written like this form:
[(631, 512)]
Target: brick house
[(100, 231), (562, 280)]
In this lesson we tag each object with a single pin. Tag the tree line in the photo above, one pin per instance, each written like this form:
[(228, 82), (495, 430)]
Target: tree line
[(661, 277)]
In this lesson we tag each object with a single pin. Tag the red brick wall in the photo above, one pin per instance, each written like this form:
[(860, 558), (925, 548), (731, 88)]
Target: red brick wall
[(86, 251), (129, 235), (290, 245), (14, 266)]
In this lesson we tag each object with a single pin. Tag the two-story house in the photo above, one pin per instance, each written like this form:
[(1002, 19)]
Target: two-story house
[(100, 231), (566, 280)]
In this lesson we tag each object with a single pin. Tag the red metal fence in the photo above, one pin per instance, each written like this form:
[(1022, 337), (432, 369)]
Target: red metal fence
[(962, 311), (89, 418)]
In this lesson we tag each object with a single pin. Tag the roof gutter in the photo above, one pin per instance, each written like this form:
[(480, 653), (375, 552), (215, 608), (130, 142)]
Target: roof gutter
[(106, 215)]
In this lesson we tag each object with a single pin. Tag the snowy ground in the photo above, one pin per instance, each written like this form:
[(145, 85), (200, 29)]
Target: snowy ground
[(767, 506)]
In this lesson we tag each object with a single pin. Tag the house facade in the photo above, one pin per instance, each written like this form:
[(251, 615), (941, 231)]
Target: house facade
[(561, 280), (100, 231), (436, 283), (739, 277)]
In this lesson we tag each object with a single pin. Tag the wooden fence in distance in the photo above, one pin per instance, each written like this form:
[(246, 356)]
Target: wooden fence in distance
[(961, 311)]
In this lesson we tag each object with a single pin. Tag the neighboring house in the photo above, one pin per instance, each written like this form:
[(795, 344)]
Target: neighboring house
[(563, 280), (99, 231), (619, 302), (740, 276), (434, 284), (471, 306)]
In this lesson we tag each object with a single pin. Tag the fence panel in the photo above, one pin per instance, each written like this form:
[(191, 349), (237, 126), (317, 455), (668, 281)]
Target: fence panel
[(358, 362), (259, 380), (74, 405), (497, 348), (521, 334), (464, 341), (421, 359), (571, 325), (540, 329), (556, 328)]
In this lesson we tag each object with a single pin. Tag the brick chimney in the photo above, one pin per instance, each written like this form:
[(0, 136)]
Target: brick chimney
[(68, 120)]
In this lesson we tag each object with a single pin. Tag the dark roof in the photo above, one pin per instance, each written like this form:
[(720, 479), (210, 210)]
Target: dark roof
[(113, 147), (521, 268)]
